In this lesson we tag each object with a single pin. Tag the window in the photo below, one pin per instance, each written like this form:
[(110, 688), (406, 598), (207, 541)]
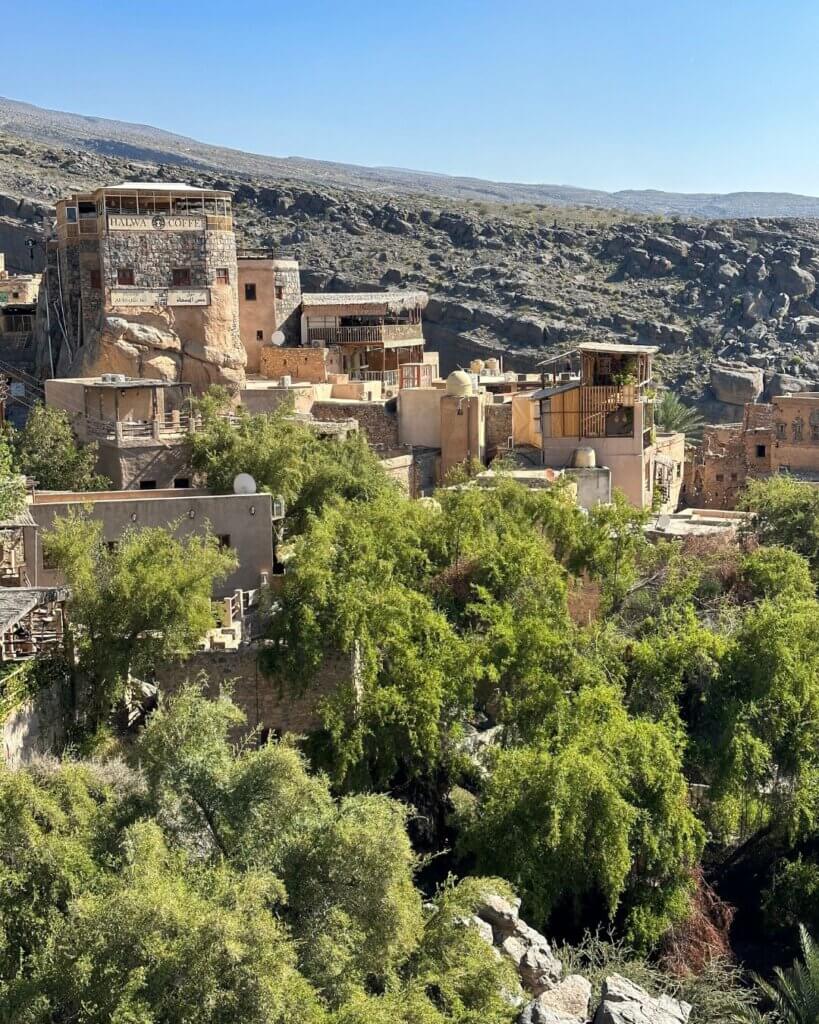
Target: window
[(250, 293), (760, 451), (222, 275), (181, 481), (279, 291), (125, 275), (147, 485), (814, 431), (720, 478), (15, 295), (181, 277), (96, 279), (71, 214), (223, 540), (733, 476), (259, 335), (780, 430)]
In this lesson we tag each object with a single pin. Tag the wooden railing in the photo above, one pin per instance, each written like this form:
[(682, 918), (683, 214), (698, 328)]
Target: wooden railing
[(374, 333), (597, 403)]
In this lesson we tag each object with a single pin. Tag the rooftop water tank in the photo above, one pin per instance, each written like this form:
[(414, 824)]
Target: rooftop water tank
[(476, 366), (493, 366), (584, 458), (459, 384)]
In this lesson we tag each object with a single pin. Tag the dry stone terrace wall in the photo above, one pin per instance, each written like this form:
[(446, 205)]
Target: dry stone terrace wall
[(267, 704), (378, 421)]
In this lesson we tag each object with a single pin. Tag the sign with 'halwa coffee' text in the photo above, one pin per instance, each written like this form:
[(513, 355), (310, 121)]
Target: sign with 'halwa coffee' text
[(155, 222)]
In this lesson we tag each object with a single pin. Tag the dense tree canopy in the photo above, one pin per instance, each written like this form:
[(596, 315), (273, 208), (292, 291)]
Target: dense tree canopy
[(143, 599), (47, 450), (201, 882)]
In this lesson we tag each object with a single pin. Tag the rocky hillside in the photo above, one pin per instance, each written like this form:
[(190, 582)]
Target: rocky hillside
[(524, 280)]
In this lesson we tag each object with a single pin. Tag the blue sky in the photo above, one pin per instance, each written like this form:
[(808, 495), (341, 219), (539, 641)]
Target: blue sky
[(683, 95)]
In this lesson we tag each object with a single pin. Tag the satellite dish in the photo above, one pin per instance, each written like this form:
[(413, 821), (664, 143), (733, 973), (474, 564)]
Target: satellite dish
[(277, 338), (243, 483)]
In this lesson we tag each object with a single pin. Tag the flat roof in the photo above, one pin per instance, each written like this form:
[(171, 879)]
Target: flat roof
[(41, 498), (613, 346), (131, 382), (158, 186), (398, 299), (23, 518), (15, 602)]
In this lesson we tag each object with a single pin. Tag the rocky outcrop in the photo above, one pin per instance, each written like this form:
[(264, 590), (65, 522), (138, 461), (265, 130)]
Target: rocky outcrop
[(150, 347), (566, 1003), (736, 385), (559, 1000), (626, 1003), (537, 966)]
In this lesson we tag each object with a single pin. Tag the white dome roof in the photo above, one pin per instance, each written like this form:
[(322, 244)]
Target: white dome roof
[(459, 384)]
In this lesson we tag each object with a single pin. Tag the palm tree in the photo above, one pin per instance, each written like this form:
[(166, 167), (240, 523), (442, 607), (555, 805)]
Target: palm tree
[(795, 993), (671, 415)]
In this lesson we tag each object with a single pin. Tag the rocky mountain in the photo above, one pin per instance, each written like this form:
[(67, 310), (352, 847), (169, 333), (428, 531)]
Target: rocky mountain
[(145, 143), (519, 279)]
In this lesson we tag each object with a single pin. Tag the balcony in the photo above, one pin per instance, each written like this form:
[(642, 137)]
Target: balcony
[(371, 334), (609, 411)]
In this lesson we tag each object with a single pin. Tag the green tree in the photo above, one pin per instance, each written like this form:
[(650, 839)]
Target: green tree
[(760, 727), (12, 484), (784, 512), (47, 450), (166, 940), (600, 813), (671, 415), (145, 599)]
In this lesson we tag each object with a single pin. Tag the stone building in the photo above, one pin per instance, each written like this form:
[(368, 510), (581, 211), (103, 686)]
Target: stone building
[(141, 427), (142, 279), (781, 436), (269, 303), (17, 289)]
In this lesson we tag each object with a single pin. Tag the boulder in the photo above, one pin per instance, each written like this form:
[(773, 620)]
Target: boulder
[(755, 269), (736, 385), (785, 384), (500, 913), (755, 306), (524, 331), (626, 1003), (531, 953), (793, 280), (567, 1002), (672, 249)]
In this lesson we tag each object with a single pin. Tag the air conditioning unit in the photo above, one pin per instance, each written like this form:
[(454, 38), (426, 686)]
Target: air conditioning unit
[(317, 343)]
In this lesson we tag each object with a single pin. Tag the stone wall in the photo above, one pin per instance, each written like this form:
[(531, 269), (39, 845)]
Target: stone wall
[(498, 427), (378, 421), (302, 364), (34, 728), (264, 702), (128, 467), (288, 307)]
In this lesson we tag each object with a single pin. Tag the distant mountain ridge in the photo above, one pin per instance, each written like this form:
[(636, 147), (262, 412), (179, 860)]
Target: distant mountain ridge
[(143, 142)]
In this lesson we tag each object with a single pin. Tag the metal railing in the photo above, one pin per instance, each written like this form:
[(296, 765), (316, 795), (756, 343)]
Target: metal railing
[(386, 377)]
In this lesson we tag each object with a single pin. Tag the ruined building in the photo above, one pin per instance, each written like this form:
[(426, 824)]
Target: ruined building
[(781, 436), (142, 280)]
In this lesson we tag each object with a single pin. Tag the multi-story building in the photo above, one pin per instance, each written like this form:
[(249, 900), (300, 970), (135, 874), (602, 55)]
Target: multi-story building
[(269, 303), (367, 337), (142, 279), (605, 416), (140, 427)]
